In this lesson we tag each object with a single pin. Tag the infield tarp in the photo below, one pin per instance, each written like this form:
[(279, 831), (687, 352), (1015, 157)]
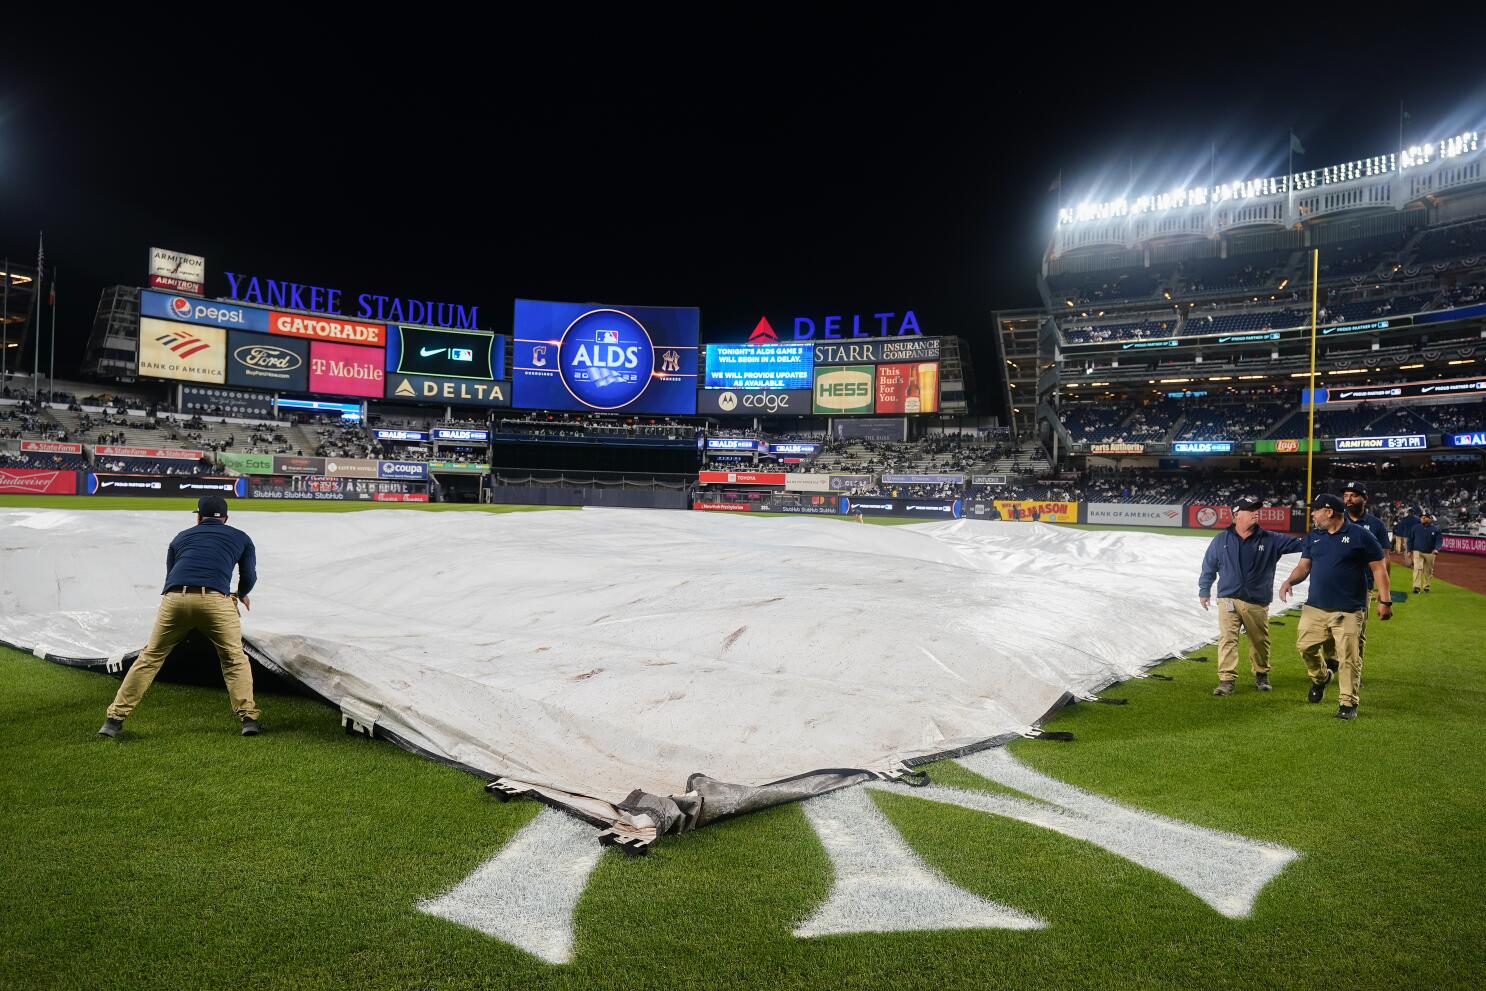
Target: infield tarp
[(592, 653)]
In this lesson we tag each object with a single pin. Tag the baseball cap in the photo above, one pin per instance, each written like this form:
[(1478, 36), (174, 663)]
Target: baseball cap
[(1246, 503), (212, 505), (1356, 487), (1328, 501)]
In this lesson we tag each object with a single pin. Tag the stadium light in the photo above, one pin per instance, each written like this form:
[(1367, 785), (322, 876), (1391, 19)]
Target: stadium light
[(1463, 361), (1404, 368)]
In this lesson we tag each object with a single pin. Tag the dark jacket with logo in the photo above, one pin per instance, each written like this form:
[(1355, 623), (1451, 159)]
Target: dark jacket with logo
[(205, 555), (1244, 568), (1425, 538)]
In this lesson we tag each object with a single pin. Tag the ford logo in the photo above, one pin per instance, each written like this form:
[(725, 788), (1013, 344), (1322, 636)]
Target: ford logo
[(270, 358)]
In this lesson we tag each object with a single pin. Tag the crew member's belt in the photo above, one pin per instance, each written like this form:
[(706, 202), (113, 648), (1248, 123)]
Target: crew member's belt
[(197, 589)]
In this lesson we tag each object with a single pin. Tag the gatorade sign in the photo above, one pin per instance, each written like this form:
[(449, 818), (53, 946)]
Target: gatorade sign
[(845, 390)]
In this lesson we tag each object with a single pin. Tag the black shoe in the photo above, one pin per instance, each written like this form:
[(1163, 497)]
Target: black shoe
[(1224, 689), (1416, 589), (1333, 666), (1426, 591), (111, 727), (1318, 691), (1261, 682), (250, 727), (1346, 712)]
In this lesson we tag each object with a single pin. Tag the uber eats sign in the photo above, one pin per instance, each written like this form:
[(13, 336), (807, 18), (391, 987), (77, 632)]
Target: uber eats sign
[(845, 389)]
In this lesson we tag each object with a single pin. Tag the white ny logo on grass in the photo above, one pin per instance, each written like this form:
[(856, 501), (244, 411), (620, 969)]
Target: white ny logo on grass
[(526, 893)]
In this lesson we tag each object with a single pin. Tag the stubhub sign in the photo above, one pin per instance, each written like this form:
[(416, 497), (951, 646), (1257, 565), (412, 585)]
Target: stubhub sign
[(208, 313)]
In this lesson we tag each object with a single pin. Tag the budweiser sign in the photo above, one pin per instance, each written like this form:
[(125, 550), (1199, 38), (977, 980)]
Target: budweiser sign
[(50, 447), (161, 453), (31, 481)]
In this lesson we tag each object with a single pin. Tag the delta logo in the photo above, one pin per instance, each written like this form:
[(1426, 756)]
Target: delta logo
[(763, 333), (184, 344)]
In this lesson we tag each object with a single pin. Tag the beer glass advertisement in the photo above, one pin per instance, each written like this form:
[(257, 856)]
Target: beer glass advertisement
[(908, 388)]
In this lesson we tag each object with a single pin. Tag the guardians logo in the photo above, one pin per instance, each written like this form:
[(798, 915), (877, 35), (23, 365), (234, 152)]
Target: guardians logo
[(606, 359)]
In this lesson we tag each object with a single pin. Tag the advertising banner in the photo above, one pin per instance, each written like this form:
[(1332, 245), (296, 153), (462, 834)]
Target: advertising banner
[(346, 370), (169, 350), (176, 270), (400, 497), (742, 477), (794, 448), (37, 481), (454, 392), (889, 429), (757, 402), (444, 353), (461, 435), (351, 467), (1398, 442), (216, 401), (633, 359), (1202, 447), (1475, 438), (1217, 517), (410, 470), (50, 447), (923, 479), (322, 488), (264, 362), (288, 464), (732, 444), (845, 390), (930, 509), (803, 482), (107, 483), (988, 479), (729, 507), (879, 350), (1453, 542), (1117, 448), (852, 483), (206, 312), (409, 435), (1403, 390), (337, 330), (1285, 446), (458, 467), (1032, 510), (760, 366), (1134, 514), (247, 464), (815, 505), (911, 388), (158, 453)]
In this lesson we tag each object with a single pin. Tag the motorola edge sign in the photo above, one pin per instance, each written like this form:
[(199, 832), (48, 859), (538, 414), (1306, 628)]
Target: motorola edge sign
[(754, 402)]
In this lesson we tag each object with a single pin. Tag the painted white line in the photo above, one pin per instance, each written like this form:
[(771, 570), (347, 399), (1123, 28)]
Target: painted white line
[(1225, 871), (526, 893), (881, 885)]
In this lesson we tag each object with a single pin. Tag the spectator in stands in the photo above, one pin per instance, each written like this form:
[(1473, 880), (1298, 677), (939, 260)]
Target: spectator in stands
[(1243, 558)]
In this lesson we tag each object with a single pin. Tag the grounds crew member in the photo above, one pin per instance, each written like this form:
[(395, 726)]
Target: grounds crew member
[(1354, 495), (1403, 528), (1337, 556), (1424, 543), (198, 576), (1243, 557)]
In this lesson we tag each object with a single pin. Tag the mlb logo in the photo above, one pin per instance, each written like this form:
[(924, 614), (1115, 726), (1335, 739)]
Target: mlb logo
[(461, 354), (606, 337)]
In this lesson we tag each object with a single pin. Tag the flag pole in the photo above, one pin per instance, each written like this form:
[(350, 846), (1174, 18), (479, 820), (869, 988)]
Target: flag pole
[(1310, 436), (36, 327), (51, 371)]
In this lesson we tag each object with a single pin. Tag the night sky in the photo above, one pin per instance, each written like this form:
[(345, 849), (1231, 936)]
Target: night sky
[(749, 166)]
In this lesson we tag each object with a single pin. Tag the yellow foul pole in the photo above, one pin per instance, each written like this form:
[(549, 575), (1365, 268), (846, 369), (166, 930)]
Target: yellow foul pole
[(1310, 436)]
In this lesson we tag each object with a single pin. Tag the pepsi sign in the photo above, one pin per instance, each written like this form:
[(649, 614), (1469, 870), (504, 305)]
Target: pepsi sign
[(576, 356), (208, 313)]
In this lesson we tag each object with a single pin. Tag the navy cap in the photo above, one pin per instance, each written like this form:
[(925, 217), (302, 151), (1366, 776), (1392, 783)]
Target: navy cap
[(212, 505), (1356, 487), (1328, 501), (1247, 504)]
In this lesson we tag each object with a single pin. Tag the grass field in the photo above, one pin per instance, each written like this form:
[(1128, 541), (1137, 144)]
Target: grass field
[(184, 856)]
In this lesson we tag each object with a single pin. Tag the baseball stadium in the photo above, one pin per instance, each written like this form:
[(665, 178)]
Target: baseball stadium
[(596, 644)]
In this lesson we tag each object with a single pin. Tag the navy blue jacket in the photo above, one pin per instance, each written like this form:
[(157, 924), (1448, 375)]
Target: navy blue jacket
[(205, 556), (1425, 538), (1244, 568), (1405, 527), (1379, 532)]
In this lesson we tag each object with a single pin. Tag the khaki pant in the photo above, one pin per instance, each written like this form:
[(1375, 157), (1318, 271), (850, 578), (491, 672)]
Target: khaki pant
[(1423, 569), (1233, 615), (180, 613), (1321, 629)]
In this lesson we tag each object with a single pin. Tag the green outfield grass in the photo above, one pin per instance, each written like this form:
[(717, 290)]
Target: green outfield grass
[(184, 856)]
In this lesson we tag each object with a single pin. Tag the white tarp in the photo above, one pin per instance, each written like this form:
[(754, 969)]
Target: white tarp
[(600, 651)]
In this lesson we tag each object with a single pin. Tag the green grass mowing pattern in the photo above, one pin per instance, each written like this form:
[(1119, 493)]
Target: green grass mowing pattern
[(184, 856)]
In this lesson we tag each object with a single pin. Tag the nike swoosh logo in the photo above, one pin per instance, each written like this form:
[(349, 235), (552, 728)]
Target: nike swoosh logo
[(425, 353)]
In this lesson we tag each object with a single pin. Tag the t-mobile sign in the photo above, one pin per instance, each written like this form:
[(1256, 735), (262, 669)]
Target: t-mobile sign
[(346, 369)]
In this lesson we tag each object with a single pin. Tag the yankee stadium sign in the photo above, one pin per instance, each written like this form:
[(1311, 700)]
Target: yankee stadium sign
[(368, 306)]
